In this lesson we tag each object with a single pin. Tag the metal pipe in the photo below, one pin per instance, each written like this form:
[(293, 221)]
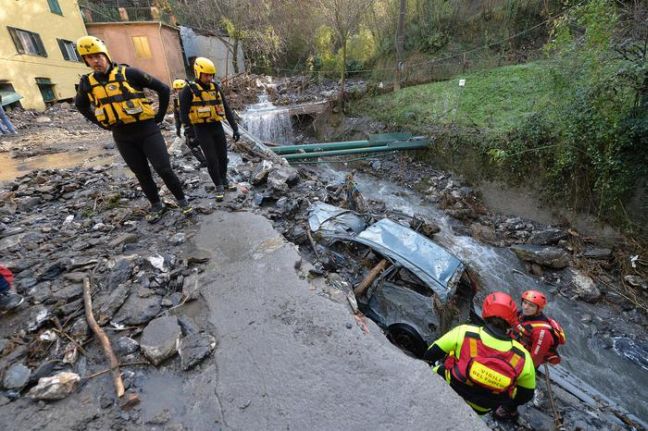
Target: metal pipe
[(287, 149), (390, 147)]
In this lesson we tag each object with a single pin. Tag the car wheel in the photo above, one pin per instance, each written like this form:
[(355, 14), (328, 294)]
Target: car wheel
[(407, 339)]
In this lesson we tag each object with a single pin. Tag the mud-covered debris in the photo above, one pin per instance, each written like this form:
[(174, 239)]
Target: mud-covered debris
[(160, 339), (194, 348), (552, 257), (584, 287), (56, 387)]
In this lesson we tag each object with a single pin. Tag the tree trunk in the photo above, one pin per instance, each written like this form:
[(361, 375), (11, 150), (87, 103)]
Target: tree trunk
[(343, 78), (400, 42), (235, 56)]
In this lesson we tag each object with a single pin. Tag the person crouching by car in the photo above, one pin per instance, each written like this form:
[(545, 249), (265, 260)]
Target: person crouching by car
[(483, 364)]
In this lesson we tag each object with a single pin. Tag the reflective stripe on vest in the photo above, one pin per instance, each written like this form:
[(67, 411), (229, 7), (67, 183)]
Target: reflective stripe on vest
[(484, 366), (116, 102), (206, 105)]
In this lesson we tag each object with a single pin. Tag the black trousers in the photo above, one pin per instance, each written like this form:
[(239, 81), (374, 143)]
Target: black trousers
[(140, 147), (214, 146)]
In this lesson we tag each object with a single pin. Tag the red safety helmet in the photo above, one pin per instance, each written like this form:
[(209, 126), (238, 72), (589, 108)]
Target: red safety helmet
[(500, 304), (535, 297)]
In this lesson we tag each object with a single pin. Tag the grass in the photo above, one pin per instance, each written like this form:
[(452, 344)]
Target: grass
[(496, 100)]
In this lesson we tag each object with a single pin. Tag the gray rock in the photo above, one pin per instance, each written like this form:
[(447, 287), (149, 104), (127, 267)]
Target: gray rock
[(125, 238), (187, 325), (547, 236), (261, 172), (68, 293), (194, 348), (126, 346), (585, 287), (75, 277), (178, 238), (119, 273), (160, 339), (16, 376), (552, 257), (191, 287), (597, 253), (137, 311), (56, 387), (112, 303), (636, 281)]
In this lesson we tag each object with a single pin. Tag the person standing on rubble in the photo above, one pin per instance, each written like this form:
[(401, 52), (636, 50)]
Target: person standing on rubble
[(9, 299), (483, 364), (192, 144), (539, 334), (5, 122), (202, 109), (112, 97)]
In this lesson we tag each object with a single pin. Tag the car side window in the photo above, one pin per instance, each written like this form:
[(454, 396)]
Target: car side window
[(406, 278)]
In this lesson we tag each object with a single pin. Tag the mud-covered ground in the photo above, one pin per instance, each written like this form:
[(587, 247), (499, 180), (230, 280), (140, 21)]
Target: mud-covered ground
[(58, 227)]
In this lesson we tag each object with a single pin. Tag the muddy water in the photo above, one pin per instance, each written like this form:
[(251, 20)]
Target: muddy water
[(617, 374), (11, 168)]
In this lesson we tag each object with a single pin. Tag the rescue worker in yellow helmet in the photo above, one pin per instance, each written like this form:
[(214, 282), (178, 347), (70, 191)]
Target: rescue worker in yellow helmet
[(112, 97), (192, 144), (202, 109), (484, 364), (178, 84)]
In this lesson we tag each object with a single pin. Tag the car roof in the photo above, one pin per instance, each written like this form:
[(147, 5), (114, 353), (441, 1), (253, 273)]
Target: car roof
[(429, 261)]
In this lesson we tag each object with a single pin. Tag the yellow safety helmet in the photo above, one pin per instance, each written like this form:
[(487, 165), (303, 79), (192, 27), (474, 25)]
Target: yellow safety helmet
[(179, 84), (87, 45), (203, 65)]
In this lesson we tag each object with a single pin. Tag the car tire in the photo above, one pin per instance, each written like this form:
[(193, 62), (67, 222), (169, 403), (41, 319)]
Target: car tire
[(407, 339)]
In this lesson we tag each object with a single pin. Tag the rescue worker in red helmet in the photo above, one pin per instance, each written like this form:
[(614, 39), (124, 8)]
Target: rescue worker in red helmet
[(539, 334), (484, 364)]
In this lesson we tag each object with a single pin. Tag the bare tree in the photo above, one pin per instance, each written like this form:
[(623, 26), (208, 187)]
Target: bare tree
[(344, 16), (400, 42)]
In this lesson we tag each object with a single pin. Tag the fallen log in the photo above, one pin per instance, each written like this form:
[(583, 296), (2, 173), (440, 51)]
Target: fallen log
[(364, 284), (103, 339)]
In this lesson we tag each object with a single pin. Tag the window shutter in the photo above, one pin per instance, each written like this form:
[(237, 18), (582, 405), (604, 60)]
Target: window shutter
[(16, 40), (61, 45), (39, 44)]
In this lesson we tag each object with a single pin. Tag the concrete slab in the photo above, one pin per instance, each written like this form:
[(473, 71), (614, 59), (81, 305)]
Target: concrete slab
[(286, 357)]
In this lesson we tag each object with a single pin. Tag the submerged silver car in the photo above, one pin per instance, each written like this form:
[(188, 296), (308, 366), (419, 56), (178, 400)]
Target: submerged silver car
[(423, 291)]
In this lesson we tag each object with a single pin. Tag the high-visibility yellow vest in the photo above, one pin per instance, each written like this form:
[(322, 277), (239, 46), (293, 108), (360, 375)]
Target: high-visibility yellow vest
[(116, 102), (206, 105)]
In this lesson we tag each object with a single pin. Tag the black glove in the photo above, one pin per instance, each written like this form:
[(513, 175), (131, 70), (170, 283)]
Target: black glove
[(236, 135)]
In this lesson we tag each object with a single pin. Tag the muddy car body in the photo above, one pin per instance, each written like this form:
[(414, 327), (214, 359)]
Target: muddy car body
[(423, 291)]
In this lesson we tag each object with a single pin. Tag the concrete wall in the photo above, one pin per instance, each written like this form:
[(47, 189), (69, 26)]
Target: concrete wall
[(164, 42), (21, 70), (197, 45)]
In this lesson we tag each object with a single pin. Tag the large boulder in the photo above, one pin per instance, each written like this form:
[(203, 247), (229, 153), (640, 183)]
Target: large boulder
[(552, 257)]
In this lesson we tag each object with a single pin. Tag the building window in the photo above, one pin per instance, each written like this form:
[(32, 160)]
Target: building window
[(68, 49), (142, 48), (55, 7), (47, 89), (27, 42)]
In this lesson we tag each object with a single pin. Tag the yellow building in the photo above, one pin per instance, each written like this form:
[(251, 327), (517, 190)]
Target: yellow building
[(38, 59)]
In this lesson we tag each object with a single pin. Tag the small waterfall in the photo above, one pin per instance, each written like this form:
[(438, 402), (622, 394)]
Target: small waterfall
[(268, 123)]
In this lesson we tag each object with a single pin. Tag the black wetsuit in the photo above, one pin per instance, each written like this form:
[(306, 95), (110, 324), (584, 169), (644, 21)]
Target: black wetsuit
[(140, 142), (211, 136)]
